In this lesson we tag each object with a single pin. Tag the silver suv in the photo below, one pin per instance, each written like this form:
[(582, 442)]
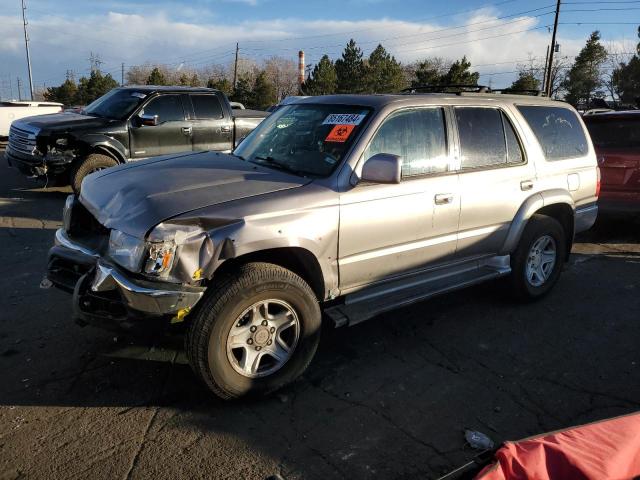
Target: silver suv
[(343, 205)]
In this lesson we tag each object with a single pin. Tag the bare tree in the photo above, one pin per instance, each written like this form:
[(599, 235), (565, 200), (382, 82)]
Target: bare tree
[(283, 74), (617, 55), (536, 67)]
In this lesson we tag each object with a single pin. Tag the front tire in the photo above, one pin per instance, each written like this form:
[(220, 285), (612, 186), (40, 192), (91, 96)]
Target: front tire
[(92, 163), (537, 262), (256, 332)]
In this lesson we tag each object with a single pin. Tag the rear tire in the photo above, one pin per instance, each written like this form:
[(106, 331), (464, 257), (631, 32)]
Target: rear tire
[(537, 262), (92, 163), (260, 315)]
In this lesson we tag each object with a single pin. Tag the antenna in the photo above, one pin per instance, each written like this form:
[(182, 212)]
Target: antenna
[(26, 44)]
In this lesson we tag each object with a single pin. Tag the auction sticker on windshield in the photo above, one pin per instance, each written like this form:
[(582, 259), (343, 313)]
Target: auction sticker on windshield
[(344, 119), (339, 133)]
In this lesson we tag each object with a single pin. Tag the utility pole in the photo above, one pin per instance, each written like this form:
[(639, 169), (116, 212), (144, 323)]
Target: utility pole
[(26, 44), (122, 75), (551, 50), (19, 89), (544, 75), (235, 68)]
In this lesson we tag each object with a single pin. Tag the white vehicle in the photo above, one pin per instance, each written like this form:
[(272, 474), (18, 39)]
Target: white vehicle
[(13, 109)]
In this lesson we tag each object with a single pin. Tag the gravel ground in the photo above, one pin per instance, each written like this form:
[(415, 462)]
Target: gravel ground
[(389, 398)]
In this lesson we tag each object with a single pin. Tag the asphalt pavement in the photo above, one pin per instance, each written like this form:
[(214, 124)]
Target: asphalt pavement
[(389, 398)]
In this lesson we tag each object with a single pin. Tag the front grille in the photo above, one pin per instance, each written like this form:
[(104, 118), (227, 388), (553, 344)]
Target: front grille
[(85, 229), (22, 141)]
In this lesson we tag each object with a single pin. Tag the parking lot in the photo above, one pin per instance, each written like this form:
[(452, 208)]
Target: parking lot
[(389, 398)]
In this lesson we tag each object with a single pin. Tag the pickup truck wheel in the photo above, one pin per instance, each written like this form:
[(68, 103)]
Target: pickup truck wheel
[(537, 262), (92, 163), (257, 331)]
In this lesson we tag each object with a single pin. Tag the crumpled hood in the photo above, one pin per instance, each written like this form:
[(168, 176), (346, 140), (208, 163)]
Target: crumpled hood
[(60, 122), (137, 196)]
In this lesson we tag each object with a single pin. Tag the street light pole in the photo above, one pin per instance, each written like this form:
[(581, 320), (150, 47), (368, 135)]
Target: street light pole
[(26, 44), (551, 50)]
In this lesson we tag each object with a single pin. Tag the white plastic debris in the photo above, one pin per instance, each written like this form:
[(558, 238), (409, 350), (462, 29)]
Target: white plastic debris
[(478, 440)]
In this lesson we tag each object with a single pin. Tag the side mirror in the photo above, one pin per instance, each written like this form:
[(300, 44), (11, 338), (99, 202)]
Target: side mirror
[(382, 168), (148, 120)]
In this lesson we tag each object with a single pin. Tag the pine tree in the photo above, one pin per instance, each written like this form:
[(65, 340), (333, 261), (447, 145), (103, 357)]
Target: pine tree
[(350, 70), (264, 93), (183, 80), (222, 84), (94, 87), (65, 93), (430, 72), (383, 73), (243, 90), (584, 81), (156, 77), (525, 81), (459, 74), (626, 79), (324, 80)]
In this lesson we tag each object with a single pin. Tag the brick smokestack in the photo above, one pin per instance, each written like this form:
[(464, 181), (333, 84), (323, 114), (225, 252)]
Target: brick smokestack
[(300, 67)]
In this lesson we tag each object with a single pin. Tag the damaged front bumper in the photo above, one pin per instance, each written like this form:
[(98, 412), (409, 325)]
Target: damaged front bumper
[(105, 295)]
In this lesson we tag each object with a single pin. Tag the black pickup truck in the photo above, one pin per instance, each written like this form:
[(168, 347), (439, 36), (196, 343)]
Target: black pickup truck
[(128, 123)]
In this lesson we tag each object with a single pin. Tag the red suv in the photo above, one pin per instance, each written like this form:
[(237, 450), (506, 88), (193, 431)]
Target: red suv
[(616, 137)]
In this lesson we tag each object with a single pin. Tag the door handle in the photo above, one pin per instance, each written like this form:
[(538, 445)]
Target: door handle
[(443, 198), (225, 129), (186, 130), (526, 185)]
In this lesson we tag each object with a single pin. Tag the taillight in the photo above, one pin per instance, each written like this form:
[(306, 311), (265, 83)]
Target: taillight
[(598, 182)]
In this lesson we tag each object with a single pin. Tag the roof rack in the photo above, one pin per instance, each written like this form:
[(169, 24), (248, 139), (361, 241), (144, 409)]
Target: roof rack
[(519, 91), (465, 89), (447, 88)]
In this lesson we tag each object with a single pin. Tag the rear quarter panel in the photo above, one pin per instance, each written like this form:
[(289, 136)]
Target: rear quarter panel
[(576, 176)]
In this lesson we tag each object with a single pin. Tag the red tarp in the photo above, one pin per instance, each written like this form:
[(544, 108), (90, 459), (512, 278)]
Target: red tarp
[(606, 450)]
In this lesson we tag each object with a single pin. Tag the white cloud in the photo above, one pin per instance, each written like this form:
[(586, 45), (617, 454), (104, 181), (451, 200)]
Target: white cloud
[(60, 43)]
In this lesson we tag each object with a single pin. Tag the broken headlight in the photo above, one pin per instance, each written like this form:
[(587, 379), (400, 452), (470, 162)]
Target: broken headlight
[(126, 250), (160, 258)]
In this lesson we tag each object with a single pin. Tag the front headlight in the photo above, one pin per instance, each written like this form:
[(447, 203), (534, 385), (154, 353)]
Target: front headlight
[(165, 242), (126, 250), (160, 258), (67, 211)]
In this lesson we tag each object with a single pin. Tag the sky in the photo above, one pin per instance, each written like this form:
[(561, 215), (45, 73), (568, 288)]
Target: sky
[(496, 36)]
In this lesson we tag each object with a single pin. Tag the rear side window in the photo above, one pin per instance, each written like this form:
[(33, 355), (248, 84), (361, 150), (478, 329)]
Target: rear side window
[(614, 133), (487, 138), (168, 108), (418, 136), (206, 107), (558, 130), (514, 149)]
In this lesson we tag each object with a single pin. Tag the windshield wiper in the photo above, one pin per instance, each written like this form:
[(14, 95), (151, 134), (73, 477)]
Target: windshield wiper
[(280, 166)]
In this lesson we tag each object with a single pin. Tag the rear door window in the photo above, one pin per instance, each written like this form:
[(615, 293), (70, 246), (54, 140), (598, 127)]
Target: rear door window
[(482, 139), (614, 133), (168, 108), (558, 131), (206, 107), (418, 136)]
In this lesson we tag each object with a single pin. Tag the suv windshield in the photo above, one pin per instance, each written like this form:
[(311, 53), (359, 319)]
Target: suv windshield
[(117, 104), (618, 133), (304, 139)]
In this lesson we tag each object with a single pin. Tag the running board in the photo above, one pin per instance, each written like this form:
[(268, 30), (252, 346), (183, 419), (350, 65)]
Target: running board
[(369, 303)]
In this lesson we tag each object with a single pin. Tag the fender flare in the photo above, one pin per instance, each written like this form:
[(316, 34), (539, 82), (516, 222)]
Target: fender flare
[(230, 247), (105, 144), (529, 207)]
